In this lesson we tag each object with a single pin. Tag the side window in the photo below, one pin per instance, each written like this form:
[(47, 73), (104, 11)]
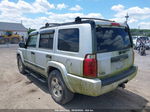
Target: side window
[(46, 41), (68, 40), (32, 41)]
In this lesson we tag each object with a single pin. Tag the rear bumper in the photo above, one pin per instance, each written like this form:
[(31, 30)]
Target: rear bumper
[(118, 77), (96, 87)]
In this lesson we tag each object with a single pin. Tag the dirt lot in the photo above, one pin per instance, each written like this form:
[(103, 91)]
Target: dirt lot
[(21, 92)]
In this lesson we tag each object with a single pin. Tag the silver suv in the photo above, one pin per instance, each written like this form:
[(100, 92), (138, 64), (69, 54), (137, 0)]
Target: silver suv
[(89, 56)]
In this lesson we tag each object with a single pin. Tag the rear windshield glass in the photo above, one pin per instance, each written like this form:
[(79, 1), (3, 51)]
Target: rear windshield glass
[(112, 39)]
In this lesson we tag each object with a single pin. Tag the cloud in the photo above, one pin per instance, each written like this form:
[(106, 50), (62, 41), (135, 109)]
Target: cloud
[(118, 7), (135, 13), (42, 6), (67, 17), (24, 7), (38, 6), (61, 18), (144, 25), (61, 6), (76, 8), (12, 12), (17, 12)]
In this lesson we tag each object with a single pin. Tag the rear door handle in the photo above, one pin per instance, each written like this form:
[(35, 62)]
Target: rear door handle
[(48, 56), (33, 53)]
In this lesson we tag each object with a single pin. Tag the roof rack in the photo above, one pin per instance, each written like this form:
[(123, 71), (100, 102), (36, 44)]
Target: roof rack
[(79, 19)]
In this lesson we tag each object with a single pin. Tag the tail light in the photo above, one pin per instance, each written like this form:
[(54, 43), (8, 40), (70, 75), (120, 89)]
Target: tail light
[(90, 66)]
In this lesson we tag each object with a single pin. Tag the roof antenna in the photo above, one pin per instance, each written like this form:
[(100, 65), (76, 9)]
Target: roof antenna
[(127, 16)]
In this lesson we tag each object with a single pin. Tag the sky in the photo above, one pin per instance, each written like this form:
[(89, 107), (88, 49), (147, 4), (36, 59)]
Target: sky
[(35, 13)]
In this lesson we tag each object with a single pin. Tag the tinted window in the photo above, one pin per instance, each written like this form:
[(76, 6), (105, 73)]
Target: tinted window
[(46, 41), (68, 40), (32, 41), (112, 39)]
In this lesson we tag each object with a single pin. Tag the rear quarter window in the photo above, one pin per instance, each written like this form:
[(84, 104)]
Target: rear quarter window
[(68, 40)]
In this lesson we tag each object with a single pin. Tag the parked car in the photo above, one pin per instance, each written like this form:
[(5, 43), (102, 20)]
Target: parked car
[(134, 38), (144, 39), (89, 56)]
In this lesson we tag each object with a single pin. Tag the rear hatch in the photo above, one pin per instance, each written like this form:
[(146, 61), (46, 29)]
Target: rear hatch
[(114, 51)]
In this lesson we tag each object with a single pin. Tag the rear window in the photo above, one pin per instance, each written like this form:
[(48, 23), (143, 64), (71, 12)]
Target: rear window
[(112, 39)]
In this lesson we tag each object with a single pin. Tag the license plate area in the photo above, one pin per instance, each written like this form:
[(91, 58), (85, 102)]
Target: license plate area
[(118, 65)]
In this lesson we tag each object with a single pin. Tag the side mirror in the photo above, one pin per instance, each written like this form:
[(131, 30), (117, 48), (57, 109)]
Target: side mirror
[(22, 45)]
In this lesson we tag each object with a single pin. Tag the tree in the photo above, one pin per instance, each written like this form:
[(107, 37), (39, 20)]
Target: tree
[(140, 32), (30, 30)]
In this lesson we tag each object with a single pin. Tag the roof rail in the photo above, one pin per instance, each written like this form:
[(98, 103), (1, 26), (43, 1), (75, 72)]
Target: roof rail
[(79, 19)]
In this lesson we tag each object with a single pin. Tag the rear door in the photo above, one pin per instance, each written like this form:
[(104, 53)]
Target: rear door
[(114, 51)]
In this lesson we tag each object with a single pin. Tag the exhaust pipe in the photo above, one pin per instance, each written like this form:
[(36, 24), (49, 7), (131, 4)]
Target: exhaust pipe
[(122, 85)]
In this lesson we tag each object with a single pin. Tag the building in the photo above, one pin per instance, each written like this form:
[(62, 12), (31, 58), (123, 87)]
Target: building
[(13, 28)]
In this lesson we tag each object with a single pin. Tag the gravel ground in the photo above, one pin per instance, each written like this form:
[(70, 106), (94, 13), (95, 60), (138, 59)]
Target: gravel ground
[(21, 92)]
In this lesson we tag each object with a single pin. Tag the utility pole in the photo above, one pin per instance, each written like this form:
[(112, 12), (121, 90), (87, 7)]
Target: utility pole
[(139, 30), (127, 16)]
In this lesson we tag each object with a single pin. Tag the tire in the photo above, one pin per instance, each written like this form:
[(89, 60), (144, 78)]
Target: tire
[(59, 91), (21, 66)]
